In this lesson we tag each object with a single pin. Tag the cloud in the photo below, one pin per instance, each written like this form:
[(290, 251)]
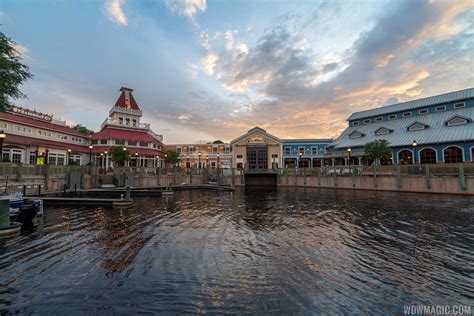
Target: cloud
[(185, 116), (188, 8), (113, 9), (209, 62)]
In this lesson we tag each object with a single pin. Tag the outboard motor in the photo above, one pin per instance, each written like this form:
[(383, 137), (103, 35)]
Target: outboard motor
[(27, 214)]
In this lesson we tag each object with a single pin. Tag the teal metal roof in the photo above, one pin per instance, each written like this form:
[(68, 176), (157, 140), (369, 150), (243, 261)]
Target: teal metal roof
[(437, 99), (437, 132)]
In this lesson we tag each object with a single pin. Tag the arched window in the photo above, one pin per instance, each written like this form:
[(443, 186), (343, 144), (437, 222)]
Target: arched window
[(405, 157), (453, 154), (427, 155)]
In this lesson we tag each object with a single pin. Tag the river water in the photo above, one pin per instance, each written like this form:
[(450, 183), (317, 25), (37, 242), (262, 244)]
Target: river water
[(305, 251)]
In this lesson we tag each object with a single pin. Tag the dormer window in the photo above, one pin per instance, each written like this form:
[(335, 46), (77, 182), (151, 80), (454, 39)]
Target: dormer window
[(417, 126), (459, 105), (441, 108), (423, 111), (356, 134), (383, 131), (366, 121), (355, 123), (457, 120), (407, 114), (392, 116), (379, 119)]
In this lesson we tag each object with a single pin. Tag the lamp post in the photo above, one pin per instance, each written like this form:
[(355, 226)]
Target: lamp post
[(69, 156), (199, 159), (414, 144), (46, 156), (349, 157), (218, 160), (299, 159), (101, 160), (166, 156), (2, 138), (90, 154), (207, 161), (187, 161)]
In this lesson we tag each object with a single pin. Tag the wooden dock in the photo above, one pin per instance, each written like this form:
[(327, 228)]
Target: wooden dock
[(83, 202)]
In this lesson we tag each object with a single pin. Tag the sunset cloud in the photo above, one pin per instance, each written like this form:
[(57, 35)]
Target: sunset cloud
[(114, 11)]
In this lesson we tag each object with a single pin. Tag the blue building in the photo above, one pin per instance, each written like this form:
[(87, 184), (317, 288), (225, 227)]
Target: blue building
[(305, 153), (437, 129)]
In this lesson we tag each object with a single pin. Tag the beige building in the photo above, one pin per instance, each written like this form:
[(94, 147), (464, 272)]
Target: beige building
[(256, 150), (202, 155)]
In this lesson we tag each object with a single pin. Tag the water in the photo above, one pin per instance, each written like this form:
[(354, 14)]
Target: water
[(303, 251)]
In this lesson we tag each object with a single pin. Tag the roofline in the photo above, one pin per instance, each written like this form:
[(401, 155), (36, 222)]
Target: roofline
[(251, 131), (72, 132), (387, 106), (308, 140)]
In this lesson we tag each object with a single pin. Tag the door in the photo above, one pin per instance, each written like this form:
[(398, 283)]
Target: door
[(257, 158)]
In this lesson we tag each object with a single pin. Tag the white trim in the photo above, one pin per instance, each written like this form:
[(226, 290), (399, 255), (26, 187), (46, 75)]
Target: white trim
[(366, 121), (423, 148), (408, 114), (379, 119), (440, 108), (459, 105), (392, 117), (355, 123), (425, 111), (412, 155), (462, 150)]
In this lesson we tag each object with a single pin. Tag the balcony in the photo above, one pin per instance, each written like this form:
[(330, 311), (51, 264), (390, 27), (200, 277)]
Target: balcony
[(109, 121), (295, 154)]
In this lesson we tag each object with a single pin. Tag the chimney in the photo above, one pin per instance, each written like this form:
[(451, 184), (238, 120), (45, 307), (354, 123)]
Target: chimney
[(127, 92)]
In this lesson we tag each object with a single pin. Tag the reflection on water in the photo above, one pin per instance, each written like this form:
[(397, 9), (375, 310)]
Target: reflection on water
[(291, 251)]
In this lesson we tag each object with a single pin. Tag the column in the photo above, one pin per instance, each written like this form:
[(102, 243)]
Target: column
[(360, 161), (333, 161)]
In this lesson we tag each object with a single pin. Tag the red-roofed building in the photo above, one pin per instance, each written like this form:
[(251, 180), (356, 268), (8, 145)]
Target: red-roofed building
[(123, 128), (37, 138)]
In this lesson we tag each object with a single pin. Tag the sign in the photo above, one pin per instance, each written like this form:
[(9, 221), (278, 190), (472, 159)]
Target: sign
[(257, 138), (30, 113)]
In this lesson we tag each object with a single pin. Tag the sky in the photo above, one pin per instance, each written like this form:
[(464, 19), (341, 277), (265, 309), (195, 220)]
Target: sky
[(205, 70)]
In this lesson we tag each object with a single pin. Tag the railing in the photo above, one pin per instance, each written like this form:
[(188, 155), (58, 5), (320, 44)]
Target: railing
[(109, 121)]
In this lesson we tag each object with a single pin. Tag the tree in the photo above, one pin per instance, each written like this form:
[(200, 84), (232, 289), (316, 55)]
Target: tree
[(377, 150), (171, 157), (12, 72), (82, 129), (119, 156), (218, 142)]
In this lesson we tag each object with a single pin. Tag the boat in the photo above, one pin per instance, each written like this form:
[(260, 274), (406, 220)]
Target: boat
[(25, 211), (15, 202)]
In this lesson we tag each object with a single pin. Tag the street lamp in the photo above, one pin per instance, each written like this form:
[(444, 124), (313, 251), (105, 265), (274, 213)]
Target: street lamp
[(414, 144), (101, 160), (207, 161), (349, 155), (199, 160), (2, 138), (69, 156), (187, 161), (46, 156), (218, 160), (124, 148), (299, 159), (90, 154)]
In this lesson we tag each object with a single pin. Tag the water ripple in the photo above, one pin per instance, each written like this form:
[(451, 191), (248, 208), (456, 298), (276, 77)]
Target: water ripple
[(296, 251)]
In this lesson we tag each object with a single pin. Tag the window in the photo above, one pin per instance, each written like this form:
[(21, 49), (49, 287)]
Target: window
[(104, 142), (44, 133), (379, 119), (121, 120), (301, 150), (143, 144), (416, 127), (178, 149), (191, 150), (459, 105), (64, 137), (76, 159), (32, 159), (314, 150), (134, 122), (355, 123), (15, 155), (287, 151), (367, 121), (119, 142), (214, 149), (132, 143), (405, 157), (57, 159), (453, 154), (423, 111), (383, 131), (457, 120), (355, 134), (22, 129), (3, 125), (441, 108), (76, 139), (239, 156), (407, 114), (427, 155), (226, 150), (127, 121), (392, 116)]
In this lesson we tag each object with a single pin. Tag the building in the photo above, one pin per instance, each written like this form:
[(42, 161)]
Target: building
[(304, 153), (202, 155), (256, 150), (123, 129), (33, 137), (437, 129)]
